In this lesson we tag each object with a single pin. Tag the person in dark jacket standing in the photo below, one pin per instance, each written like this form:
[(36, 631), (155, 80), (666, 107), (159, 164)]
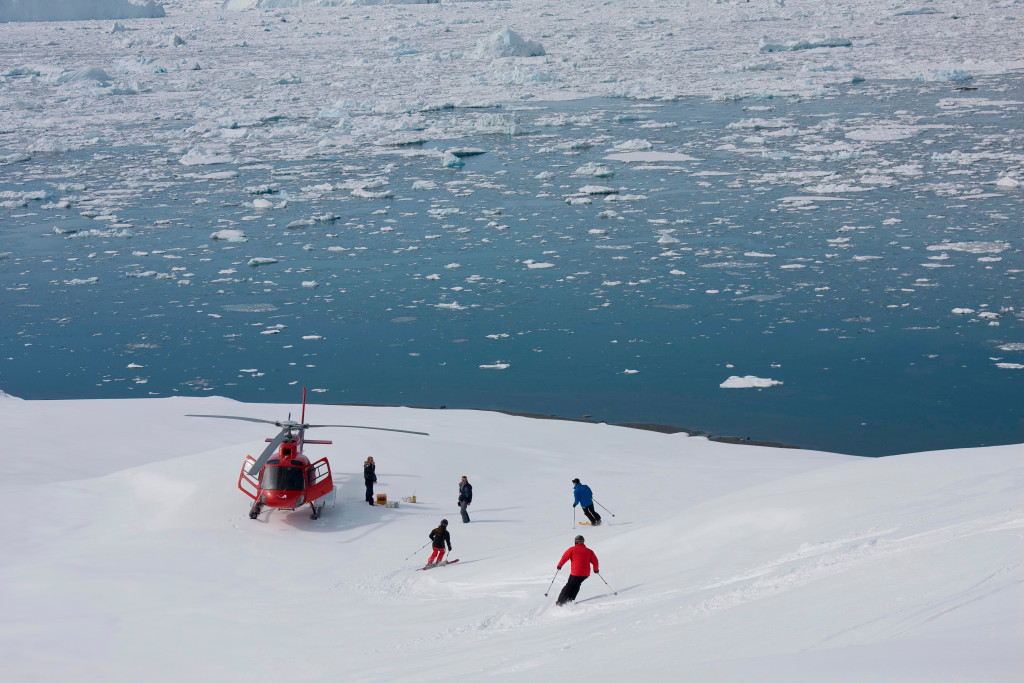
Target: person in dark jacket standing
[(584, 497), (465, 498), (581, 558), (439, 536), (369, 478)]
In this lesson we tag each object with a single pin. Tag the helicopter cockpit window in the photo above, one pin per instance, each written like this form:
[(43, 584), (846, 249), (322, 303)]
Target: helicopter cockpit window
[(283, 479), (297, 463)]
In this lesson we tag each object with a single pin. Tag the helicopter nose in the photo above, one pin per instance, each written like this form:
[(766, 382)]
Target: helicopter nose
[(282, 499)]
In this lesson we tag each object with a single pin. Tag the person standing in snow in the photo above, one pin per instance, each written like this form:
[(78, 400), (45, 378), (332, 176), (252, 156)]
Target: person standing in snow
[(581, 558), (439, 536), (369, 478), (584, 497), (465, 498)]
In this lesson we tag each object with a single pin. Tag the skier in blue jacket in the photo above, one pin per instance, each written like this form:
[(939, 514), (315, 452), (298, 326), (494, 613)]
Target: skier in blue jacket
[(583, 496)]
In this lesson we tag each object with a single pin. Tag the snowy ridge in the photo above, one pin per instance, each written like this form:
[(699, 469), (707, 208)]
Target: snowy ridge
[(729, 561)]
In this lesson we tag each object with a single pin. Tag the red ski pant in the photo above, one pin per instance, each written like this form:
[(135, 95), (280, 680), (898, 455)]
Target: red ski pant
[(438, 553)]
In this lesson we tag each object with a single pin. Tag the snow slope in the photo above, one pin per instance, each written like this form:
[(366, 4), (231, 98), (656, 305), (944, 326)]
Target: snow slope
[(129, 554)]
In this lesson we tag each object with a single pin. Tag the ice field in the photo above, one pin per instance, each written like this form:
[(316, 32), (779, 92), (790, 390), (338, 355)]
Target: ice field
[(817, 244)]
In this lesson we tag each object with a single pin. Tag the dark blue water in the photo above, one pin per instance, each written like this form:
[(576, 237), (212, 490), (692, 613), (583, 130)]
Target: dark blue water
[(823, 244)]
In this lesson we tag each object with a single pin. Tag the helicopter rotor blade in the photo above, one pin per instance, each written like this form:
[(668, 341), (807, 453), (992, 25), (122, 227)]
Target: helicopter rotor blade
[(382, 429), (236, 417), (267, 452)]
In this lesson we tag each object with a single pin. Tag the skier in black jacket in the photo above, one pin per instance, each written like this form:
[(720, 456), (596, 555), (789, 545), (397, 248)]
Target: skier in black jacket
[(369, 478), (439, 536), (465, 498)]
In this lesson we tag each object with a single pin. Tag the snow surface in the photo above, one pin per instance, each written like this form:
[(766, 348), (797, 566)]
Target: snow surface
[(129, 554)]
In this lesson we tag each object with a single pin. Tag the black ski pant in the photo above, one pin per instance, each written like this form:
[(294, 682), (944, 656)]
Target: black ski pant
[(592, 514), (369, 490), (571, 589)]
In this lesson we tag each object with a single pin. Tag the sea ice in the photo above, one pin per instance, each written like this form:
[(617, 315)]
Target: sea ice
[(507, 43), (230, 235), (748, 382)]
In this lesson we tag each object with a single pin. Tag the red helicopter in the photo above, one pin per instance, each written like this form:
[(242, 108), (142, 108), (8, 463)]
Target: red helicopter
[(282, 478)]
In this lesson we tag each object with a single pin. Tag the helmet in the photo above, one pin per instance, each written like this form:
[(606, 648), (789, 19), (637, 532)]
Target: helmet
[(444, 522), (579, 539)]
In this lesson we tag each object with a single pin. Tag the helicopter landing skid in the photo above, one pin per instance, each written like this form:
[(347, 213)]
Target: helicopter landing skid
[(317, 506)]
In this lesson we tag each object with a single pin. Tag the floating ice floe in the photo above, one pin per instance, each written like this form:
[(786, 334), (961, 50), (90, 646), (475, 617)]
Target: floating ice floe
[(85, 74), (971, 247), (634, 145), (962, 311), (450, 306), (231, 235), (507, 43), (467, 151), (311, 337), (748, 382), (530, 263), (262, 261), (1010, 366), (205, 156), (368, 194), (449, 160), (36, 10), (82, 281), (650, 156), (595, 170), (809, 43), (944, 76), (504, 124), (596, 189), (496, 366)]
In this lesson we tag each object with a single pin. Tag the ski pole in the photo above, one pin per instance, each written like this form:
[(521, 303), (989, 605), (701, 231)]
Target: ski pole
[(420, 548), (552, 582), (614, 592), (605, 509)]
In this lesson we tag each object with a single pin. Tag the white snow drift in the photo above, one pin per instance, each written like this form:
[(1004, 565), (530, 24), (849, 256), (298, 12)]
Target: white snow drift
[(129, 554)]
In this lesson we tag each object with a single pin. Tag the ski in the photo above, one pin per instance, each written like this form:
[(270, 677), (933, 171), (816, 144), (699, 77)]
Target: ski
[(588, 524), (431, 566)]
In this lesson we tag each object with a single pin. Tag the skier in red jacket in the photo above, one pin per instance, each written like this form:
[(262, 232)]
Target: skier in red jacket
[(581, 558)]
